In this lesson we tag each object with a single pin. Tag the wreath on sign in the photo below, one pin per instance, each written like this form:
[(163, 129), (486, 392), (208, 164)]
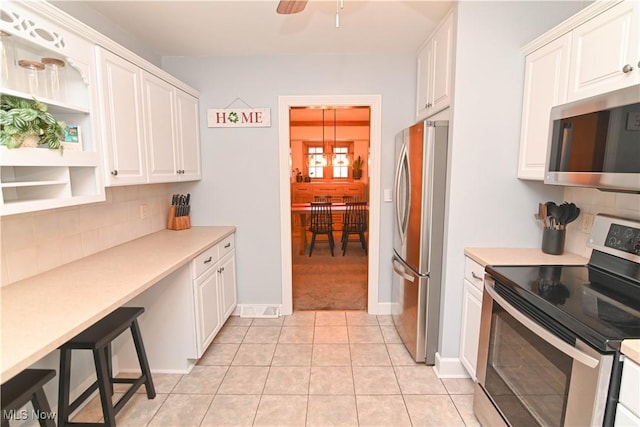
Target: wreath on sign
[(233, 117)]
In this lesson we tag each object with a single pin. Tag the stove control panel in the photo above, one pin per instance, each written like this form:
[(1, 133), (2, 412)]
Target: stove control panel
[(617, 236)]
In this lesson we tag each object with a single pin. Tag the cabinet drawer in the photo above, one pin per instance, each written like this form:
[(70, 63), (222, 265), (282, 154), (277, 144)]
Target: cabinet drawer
[(473, 272), (226, 246), (205, 261), (629, 386)]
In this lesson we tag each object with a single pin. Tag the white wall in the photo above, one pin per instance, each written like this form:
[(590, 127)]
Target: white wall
[(488, 205), (240, 166)]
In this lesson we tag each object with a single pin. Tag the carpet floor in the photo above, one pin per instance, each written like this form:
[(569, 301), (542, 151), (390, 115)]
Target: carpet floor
[(323, 282)]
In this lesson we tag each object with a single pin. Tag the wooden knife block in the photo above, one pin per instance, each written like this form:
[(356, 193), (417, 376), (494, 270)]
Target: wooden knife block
[(178, 222)]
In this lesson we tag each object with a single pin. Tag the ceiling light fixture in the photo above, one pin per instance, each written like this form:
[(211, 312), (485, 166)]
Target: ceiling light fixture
[(289, 7), (339, 6)]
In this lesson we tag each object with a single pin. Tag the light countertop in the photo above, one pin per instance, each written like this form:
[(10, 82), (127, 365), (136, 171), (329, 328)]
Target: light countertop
[(521, 256), (43, 312), (631, 349)]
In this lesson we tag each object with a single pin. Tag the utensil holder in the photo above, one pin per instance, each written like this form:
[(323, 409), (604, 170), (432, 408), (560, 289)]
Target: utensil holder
[(553, 241)]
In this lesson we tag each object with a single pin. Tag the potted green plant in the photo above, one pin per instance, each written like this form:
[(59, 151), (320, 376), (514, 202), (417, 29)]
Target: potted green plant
[(357, 167), (22, 120)]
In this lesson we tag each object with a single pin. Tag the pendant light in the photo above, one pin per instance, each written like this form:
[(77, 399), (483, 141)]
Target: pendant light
[(319, 160), (338, 159)]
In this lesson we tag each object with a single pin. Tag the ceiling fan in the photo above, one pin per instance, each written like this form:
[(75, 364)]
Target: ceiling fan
[(289, 7)]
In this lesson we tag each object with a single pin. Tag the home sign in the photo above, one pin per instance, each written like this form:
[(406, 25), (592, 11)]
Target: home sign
[(238, 117)]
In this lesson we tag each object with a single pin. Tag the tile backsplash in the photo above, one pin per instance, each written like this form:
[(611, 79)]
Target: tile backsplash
[(36, 242), (592, 201)]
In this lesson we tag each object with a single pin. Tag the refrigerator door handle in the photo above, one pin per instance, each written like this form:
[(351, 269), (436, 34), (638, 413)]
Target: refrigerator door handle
[(402, 204), (401, 273)]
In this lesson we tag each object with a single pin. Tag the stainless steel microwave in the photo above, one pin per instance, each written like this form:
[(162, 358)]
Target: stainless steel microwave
[(595, 142)]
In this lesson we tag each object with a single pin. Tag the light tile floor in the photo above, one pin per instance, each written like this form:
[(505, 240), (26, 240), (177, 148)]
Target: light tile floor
[(325, 368)]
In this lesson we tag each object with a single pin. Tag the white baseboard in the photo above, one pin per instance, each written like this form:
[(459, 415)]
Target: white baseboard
[(382, 309), (449, 367)]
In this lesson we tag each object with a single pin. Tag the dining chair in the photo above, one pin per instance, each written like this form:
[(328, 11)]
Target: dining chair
[(355, 222), (321, 223), (322, 198)]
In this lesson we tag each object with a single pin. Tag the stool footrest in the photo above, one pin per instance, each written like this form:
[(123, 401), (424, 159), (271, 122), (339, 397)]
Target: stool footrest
[(84, 396)]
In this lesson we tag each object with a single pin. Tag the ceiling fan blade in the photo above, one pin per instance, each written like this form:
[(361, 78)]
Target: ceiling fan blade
[(288, 7)]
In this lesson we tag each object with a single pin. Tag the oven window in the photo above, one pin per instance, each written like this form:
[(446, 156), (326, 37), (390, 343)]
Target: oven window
[(527, 378)]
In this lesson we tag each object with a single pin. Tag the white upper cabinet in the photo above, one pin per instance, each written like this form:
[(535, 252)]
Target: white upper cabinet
[(151, 126), (173, 143), (160, 133), (122, 117), (435, 68), (605, 54), (188, 136), (545, 85), (424, 86), (593, 52)]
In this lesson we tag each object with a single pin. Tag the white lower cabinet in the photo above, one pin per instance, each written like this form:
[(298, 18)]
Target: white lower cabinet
[(207, 308), (227, 272), (471, 310), (214, 290), (628, 409)]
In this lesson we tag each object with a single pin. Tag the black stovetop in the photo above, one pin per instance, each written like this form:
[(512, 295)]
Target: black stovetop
[(600, 308)]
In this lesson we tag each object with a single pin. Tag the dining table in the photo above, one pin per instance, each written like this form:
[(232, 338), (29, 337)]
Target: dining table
[(304, 211)]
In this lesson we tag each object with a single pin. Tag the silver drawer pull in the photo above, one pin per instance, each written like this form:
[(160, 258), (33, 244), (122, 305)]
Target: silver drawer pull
[(208, 260), (227, 245), (475, 276)]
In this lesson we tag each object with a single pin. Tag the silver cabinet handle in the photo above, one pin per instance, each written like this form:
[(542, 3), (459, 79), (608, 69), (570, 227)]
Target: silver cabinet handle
[(475, 276), (627, 69), (208, 260), (562, 346), (114, 172)]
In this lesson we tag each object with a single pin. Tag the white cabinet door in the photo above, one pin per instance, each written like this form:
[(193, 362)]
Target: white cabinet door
[(435, 66), (606, 52), (471, 310), (207, 308), (122, 117), (442, 66), (227, 271), (425, 80), (545, 85), (160, 133), (188, 136)]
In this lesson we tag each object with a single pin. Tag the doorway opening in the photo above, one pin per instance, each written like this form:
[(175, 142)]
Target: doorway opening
[(288, 175), (329, 199)]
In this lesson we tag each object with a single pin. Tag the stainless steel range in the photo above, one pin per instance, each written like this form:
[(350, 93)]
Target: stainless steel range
[(550, 336)]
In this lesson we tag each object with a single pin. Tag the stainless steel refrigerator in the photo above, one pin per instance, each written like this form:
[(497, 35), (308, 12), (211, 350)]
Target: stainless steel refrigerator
[(419, 206)]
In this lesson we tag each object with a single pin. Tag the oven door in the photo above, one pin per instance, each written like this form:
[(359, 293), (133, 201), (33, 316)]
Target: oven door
[(535, 372)]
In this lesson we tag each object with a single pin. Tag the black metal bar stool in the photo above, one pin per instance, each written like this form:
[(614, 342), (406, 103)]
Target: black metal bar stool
[(98, 338), (25, 387)]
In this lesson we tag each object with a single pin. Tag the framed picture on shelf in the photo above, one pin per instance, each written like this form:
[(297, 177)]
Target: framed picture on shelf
[(72, 138)]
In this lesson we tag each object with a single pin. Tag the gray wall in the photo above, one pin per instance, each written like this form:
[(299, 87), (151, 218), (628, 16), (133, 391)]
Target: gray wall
[(240, 183)]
